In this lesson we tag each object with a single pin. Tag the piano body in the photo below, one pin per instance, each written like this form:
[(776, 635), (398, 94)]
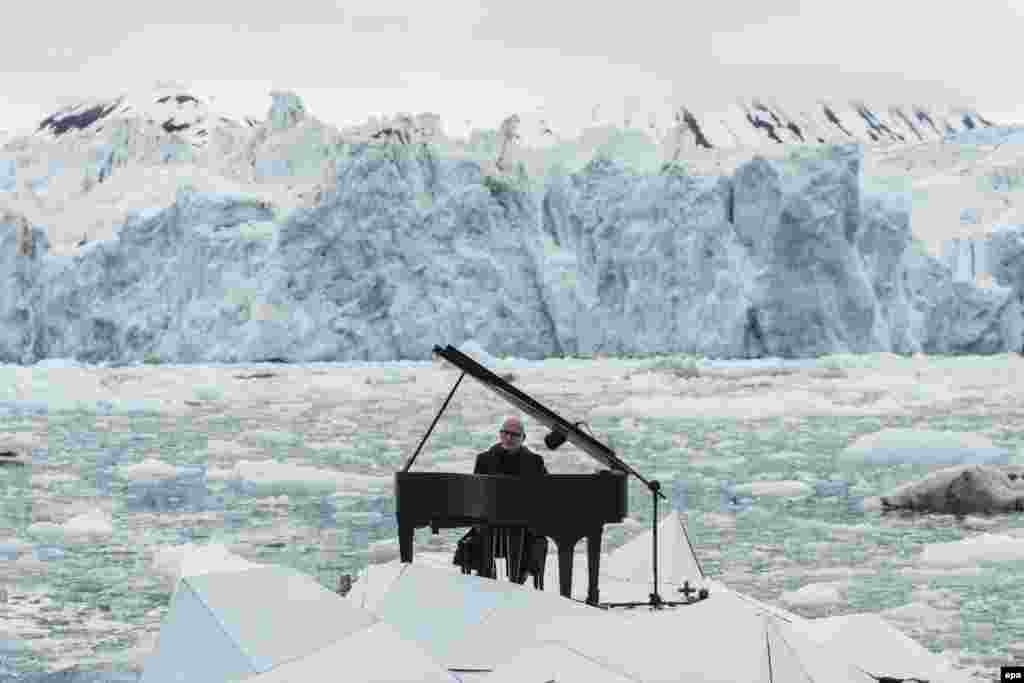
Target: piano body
[(447, 500), (444, 500)]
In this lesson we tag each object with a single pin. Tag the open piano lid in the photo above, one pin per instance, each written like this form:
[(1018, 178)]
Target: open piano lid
[(588, 444)]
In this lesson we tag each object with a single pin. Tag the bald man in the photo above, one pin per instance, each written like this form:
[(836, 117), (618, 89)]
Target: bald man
[(509, 455), (525, 551)]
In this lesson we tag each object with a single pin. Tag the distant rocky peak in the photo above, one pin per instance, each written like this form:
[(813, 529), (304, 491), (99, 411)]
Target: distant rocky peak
[(172, 108), (756, 122), (761, 124)]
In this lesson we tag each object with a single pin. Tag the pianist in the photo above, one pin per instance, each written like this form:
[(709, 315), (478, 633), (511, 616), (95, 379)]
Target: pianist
[(509, 455), (524, 551)]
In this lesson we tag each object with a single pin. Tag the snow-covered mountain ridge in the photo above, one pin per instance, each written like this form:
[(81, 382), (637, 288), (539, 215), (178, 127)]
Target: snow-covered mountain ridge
[(747, 122), (87, 165), (761, 122)]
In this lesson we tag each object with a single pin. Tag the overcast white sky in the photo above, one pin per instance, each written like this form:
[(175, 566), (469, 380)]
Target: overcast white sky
[(481, 61)]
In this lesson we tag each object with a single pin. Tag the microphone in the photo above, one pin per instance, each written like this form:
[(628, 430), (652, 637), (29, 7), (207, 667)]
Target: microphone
[(554, 439)]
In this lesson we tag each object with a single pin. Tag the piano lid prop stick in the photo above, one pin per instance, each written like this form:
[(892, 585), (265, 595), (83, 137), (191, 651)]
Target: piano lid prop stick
[(432, 424)]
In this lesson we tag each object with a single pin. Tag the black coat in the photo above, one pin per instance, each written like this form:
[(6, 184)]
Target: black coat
[(470, 553), (496, 460)]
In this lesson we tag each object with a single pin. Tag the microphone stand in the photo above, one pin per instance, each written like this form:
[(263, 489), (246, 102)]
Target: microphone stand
[(654, 599)]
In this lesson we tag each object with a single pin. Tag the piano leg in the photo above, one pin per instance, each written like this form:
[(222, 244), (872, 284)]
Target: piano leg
[(565, 550), (593, 566), (538, 576), (405, 534), (515, 554), (487, 566)]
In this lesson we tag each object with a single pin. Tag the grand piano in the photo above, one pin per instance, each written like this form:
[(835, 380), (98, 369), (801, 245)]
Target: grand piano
[(563, 507)]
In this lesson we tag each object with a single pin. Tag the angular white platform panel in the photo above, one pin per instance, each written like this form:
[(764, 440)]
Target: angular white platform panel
[(378, 654), (229, 625), (546, 662), (461, 619)]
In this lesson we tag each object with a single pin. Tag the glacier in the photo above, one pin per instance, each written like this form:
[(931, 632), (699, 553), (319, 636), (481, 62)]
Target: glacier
[(408, 248), (290, 240)]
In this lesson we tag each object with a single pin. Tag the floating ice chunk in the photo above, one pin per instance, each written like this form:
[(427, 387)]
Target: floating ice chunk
[(45, 530), (131, 407), (48, 553), (857, 505), (220, 474), (738, 505), (784, 456), (19, 408), (154, 485), (987, 547), (328, 513), (924, 447), (679, 494), (9, 550), (729, 500), (816, 594), (90, 524), (784, 489), (825, 488), (80, 528), (168, 494), (273, 478), (234, 520), (148, 470), (240, 486)]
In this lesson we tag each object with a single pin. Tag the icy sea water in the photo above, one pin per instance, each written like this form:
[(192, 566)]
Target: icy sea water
[(93, 598)]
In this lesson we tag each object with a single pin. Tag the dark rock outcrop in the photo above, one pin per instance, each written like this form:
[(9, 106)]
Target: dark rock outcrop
[(964, 489)]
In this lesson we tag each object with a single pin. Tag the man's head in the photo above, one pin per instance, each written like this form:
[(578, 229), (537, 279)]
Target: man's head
[(512, 434)]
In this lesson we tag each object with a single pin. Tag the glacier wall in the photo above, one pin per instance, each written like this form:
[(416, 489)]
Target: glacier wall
[(967, 258), (408, 248)]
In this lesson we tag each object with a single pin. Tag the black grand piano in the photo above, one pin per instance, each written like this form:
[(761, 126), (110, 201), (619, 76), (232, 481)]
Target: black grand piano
[(447, 500)]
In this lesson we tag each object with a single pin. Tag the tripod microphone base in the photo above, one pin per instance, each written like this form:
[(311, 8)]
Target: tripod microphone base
[(654, 602)]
